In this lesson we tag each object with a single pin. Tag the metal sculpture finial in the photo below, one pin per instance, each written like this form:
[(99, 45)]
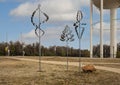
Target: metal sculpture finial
[(38, 31), (79, 17)]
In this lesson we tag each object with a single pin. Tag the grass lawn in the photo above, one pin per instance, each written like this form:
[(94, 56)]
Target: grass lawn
[(16, 72)]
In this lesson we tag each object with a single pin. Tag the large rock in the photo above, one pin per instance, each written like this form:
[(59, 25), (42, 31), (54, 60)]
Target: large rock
[(88, 68)]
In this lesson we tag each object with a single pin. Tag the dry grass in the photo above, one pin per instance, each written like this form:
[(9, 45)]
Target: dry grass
[(15, 72)]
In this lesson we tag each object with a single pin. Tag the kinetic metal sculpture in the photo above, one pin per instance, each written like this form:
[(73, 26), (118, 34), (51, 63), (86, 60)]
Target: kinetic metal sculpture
[(79, 33), (38, 31), (67, 36)]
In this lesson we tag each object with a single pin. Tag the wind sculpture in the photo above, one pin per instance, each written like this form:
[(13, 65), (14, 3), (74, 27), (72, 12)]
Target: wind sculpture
[(67, 36), (38, 31), (79, 31)]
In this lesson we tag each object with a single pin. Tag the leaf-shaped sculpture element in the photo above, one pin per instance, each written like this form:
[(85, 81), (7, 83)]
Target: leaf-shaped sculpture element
[(67, 34)]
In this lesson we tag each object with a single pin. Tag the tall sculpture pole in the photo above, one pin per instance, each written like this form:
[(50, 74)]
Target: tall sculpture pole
[(39, 40), (79, 33), (67, 36), (38, 31)]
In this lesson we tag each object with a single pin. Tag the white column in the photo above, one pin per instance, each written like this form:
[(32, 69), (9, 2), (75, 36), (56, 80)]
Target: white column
[(91, 28), (101, 29), (113, 44)]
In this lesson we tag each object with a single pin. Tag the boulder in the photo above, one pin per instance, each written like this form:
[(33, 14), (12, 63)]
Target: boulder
[(88, 68)]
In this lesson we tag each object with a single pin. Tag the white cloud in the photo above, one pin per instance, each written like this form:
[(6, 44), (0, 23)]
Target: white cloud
[(106, 31), (56, 9), (29, 35), (51, 34), (105, 26), (23, 10)]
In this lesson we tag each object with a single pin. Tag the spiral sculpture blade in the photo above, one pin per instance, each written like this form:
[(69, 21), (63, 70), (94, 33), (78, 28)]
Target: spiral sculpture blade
[(37, 28)]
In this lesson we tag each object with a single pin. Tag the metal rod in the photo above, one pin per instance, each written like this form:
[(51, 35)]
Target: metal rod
[(39, 41), (67, 53), (79, 49)]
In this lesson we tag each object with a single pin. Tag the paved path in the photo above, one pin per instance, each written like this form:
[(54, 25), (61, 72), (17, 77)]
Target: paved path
[(116, 70)]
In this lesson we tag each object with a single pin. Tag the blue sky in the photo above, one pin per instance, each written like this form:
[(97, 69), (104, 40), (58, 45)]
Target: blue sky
[(15, 19)]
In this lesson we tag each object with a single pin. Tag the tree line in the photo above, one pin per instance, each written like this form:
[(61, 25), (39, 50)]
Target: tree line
[(17, 48), (106, 51)]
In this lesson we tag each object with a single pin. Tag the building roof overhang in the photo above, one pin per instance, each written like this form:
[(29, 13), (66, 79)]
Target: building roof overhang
[(107, 4)]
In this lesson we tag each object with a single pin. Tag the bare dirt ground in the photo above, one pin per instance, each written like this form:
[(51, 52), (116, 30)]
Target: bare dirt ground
[(75, 59), (107, 62), (18, 72)]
